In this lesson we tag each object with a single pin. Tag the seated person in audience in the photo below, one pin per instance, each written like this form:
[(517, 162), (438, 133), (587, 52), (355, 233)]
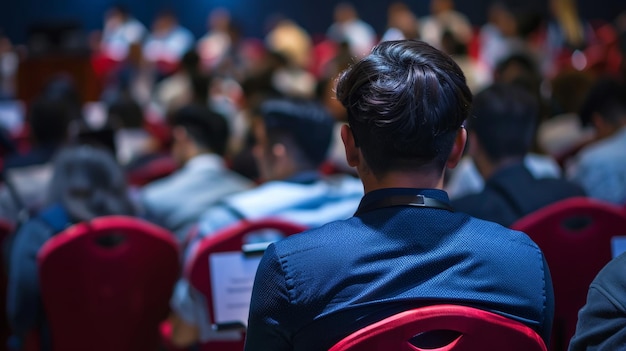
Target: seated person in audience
[(444, 17), (406, 246), (126, 117), (199, 142), (600, 167), (29, 172), (501, 132), (602, 321), (519, 69), (87, 183), (292, 141), (167, 43), (121, 31)]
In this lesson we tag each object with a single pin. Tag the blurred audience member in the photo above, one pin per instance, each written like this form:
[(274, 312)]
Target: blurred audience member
[(401, 23), (499, 37), (126, 117), (501, 133), (444, 18), (292, 141), (476, 74), (292, 41), (176, 202), (602, 321), (50, 120), (521, 70), (567, 34), (166, 44), (177, 90), (348, 27), (600, 167), (9, 62), (87, 183), (214, 46), (121, 32), (562, 132)]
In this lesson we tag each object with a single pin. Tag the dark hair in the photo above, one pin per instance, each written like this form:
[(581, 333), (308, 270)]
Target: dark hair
[(89, 183), (303, 124), (125, 112), (527, 74), (504, 118), (49, 120), (405, 103), (607, 97), (208, 129)]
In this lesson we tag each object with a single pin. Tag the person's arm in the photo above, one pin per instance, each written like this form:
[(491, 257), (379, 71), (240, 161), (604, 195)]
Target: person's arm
[(189, 315), (269, 308), (183, 334), (601, 322), (23, 297)]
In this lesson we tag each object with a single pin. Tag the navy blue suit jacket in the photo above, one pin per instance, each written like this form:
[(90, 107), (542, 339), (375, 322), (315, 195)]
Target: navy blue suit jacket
[(314, 288)]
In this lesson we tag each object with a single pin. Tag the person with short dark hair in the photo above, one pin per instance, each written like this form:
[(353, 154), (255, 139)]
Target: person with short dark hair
[(501, 133), (405, 246), (292, 140), (176, 202), (87, 183)]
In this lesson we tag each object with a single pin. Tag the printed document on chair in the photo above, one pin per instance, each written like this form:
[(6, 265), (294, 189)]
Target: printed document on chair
[(232, 277)]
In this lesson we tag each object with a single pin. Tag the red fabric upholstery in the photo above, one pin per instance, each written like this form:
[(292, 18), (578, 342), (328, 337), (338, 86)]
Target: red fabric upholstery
[(229, 239), (476, 329), (152, 170), (108, 296), (575, 236)]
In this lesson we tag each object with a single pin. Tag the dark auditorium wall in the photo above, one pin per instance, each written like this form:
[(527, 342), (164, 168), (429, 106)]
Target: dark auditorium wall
[(16, 16)]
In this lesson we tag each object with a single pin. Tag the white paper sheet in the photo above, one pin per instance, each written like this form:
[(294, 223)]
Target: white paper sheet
[(232, 277)]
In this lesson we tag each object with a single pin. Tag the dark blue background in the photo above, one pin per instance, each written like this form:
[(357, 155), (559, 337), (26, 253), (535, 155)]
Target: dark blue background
[(16, 16)]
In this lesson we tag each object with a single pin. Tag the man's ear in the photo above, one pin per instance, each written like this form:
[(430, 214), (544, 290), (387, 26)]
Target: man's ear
[(179, 133), (457, 148), (279, 151), (352, 151)]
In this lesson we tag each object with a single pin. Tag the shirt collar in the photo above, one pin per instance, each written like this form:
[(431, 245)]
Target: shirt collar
[(379, 194), (205, 161)]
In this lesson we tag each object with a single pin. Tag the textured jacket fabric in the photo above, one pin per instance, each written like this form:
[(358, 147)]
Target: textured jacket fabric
[(307, 199), (316, 287), (514, 192)]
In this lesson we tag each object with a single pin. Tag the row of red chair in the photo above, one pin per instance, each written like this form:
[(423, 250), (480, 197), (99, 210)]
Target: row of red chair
[(106, 283)]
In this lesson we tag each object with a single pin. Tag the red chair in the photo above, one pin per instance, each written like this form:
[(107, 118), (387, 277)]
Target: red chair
[(106, 284), (443, 328), (231, 239), (151, 170), (575, 236)]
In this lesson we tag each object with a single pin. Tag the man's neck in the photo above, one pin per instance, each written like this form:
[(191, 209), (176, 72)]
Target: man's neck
[(397, 179)]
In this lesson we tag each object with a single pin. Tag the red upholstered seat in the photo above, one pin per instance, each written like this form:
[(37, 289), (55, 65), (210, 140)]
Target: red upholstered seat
[(575, 237), (106, 284), (465, 328), (231, 239)]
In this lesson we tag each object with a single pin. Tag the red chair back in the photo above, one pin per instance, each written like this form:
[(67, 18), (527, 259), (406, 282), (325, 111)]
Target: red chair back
[(106, 284), (575, 236), (465, 329), (230, 239)]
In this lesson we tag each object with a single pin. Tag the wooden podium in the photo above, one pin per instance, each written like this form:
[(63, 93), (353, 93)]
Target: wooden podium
[(35, 72)]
